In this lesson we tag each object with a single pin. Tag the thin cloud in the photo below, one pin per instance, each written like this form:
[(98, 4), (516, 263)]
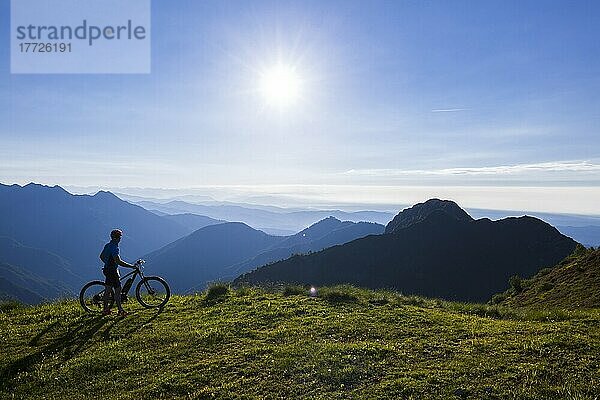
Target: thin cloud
[(447, 110), (557, 166)]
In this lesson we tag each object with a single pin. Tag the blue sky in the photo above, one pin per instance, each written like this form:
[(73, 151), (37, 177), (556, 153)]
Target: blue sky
[(438, 95)]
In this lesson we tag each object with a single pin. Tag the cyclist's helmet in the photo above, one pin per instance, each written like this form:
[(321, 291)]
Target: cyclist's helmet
[(116, 234)]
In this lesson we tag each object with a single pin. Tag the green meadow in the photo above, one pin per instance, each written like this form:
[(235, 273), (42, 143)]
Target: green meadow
[(345, 343)]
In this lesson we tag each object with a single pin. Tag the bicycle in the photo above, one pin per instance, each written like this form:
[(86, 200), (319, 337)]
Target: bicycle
[(150, 292)]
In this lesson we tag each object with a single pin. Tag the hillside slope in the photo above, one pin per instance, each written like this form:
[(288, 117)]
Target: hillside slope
[(203, 255), (326, 233), (224, 251), (76, 227), (573, 283), (39, 262), (346, 343), (20, 284), (439, 256), (192, 222)]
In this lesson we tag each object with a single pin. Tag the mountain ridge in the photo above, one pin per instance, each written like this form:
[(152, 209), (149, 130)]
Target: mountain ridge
[(197, 257), (438, 256), (268, 220), (75, 227), (223, 251), (421, 211), (343, 233)]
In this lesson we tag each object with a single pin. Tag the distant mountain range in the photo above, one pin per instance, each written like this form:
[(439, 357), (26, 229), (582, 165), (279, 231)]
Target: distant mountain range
[(224, 251), (192, 222), (433, 249), (50, 241), (203, 255), (273, 220), (326, 233), (75, 227), (280, 221)]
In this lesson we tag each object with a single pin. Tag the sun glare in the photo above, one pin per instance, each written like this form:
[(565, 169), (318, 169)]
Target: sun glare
[(280, 85)]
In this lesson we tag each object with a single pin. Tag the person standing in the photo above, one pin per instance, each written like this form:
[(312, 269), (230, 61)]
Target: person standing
[(112, 261)]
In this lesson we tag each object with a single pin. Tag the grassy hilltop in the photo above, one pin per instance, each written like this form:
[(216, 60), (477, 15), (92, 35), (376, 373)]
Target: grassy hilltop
[(346, 343), (573, 283)]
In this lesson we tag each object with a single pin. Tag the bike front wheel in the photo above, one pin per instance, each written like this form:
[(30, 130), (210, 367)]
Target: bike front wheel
[(92, 297), (153, 292)]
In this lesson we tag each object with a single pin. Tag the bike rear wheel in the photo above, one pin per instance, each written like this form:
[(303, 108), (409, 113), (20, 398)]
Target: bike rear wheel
[(92, 295), (153, 292)]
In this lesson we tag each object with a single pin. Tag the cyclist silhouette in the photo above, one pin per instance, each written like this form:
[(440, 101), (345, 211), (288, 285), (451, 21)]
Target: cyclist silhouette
[(111, 259)]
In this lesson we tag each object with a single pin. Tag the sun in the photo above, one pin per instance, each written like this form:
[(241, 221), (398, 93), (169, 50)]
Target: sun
[(280, 85)]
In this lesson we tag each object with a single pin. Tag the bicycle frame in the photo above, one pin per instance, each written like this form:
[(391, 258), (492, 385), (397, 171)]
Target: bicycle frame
[(152, 285), (134, 274), (122, 280)]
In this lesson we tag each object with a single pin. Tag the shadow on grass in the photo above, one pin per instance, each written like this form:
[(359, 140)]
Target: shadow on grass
[(134, 324), (76, 339), (34, 341), (70, 343)]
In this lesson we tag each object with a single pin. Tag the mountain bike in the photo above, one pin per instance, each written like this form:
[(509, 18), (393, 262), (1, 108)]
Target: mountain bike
[(150, 292)]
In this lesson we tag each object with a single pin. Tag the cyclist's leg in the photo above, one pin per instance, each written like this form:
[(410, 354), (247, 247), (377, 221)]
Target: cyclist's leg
[(108, 290), (114, 284), (118, 296)]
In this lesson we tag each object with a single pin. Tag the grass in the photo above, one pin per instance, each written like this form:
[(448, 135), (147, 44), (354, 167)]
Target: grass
[(573, 283), (294, 290), (217, 291), (256, 343)]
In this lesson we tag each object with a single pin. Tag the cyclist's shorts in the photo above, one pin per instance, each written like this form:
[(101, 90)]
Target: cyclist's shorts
[(112, 277)]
